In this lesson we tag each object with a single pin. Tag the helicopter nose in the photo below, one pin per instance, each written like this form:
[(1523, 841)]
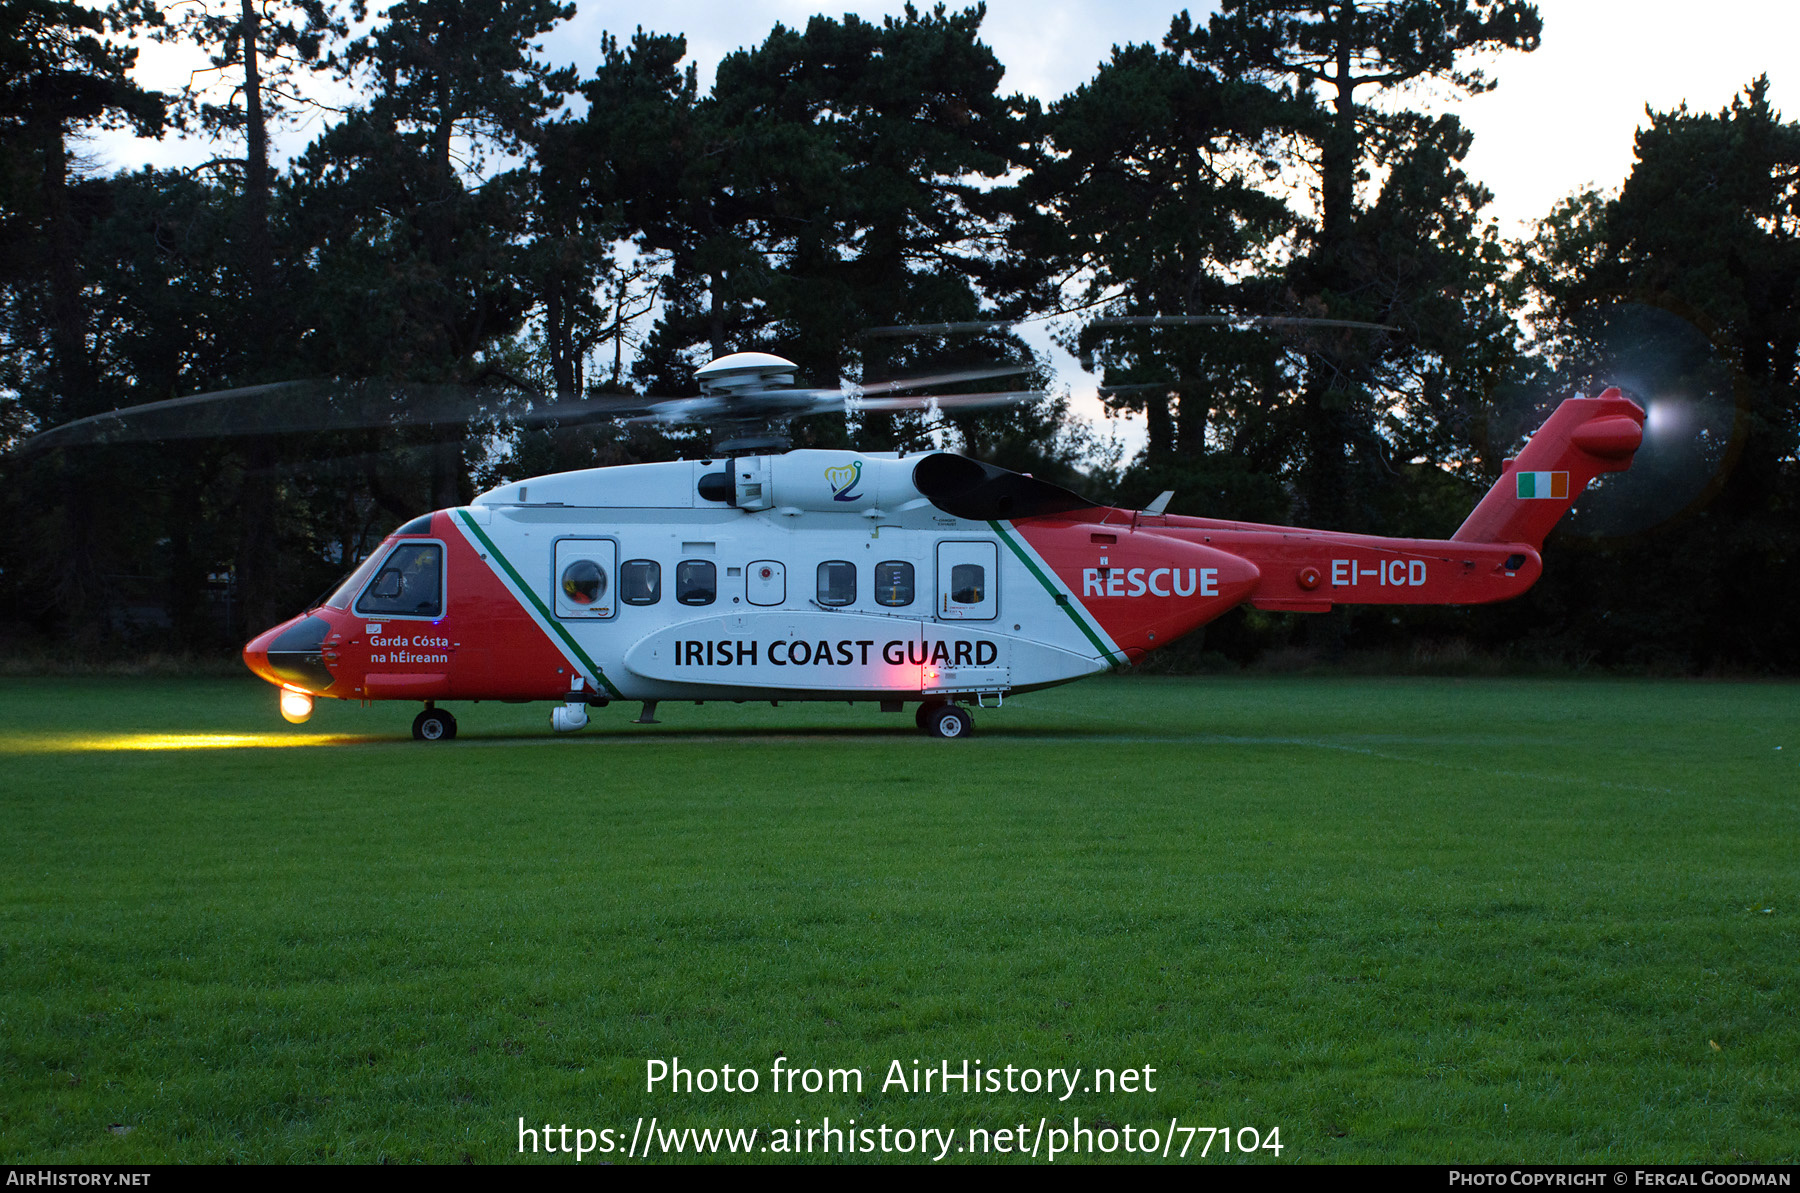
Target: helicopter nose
[(292, 654), (256, 654)]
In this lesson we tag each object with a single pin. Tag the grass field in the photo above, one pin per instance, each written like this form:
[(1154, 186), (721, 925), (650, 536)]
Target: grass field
[(1422, 920)]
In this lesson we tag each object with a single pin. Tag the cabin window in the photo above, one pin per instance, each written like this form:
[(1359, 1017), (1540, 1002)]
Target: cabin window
[(409, 583), (584, 582), (894, 583), (640, 582), (837, 582), (696, 582), (968, 583)]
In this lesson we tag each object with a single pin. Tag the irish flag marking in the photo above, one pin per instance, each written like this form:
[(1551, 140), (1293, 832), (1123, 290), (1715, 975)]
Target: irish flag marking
[(1544, 485)]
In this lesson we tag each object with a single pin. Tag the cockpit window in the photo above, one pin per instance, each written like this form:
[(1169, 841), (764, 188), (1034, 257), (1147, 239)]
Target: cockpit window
[(353, 583), (409, 583)]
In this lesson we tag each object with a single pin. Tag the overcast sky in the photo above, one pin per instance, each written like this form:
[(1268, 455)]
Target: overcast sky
[(1562, 118)]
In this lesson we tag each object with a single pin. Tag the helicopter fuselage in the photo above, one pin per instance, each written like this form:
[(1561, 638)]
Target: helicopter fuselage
[(821, 575)]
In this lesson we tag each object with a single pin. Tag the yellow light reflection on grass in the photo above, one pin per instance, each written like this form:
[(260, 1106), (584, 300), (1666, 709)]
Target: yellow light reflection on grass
[(73, 743)]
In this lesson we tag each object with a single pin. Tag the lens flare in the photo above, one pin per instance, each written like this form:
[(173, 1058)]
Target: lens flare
[(1669, 416), (1686, 387), (80, 743)]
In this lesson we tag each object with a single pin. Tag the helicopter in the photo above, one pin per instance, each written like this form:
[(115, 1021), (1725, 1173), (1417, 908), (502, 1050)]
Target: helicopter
[(927, 579)]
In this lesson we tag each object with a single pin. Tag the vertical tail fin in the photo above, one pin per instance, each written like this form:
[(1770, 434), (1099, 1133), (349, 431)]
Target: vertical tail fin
[(1583, 438)]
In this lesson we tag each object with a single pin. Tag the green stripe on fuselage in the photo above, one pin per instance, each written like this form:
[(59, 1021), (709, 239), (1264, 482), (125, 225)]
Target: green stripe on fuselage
[(1068, 606), (537, 604)]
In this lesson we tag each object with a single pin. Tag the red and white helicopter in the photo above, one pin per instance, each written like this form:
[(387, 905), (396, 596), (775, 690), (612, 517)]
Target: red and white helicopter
[(929, 579)]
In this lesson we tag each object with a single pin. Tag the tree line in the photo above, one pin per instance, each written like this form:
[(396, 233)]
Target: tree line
[(476, 219)]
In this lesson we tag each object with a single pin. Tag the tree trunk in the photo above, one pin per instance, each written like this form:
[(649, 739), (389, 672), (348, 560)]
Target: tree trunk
[(1325, 482), (77, 584), (258, 257), (1161, 426), (73, 374), (1337, 162), (446, 475), (1324, 491), (259, 599), (556, 339), (1192, 408)]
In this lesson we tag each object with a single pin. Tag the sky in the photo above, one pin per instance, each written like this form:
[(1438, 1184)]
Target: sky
[(1562, 118)]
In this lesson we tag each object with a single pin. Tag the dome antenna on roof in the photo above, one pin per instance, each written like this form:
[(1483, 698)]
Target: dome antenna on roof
[(741, 371)]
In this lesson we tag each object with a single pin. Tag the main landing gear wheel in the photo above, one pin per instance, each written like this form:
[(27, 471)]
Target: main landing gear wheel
[(947, 720), (434, 724), (925, 711)]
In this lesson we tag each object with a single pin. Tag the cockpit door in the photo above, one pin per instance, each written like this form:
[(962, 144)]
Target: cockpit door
[(968, 578)]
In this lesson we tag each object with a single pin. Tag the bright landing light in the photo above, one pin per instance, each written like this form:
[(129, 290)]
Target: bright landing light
[(296, 707)]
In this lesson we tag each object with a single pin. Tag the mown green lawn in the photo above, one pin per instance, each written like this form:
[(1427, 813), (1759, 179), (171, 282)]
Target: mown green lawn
[(1422, 920)]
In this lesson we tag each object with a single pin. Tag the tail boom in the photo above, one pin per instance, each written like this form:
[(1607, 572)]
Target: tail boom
[(1148, 577)]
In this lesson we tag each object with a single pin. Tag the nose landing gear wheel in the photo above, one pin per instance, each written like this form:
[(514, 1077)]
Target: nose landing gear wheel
[(434, 724), (925, 711), (947, 720)]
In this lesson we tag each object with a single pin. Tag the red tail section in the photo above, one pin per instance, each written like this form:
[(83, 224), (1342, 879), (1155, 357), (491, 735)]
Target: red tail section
[(1582, 439)]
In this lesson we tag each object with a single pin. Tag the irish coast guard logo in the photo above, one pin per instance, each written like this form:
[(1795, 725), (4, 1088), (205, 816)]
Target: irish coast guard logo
[(843, 480)]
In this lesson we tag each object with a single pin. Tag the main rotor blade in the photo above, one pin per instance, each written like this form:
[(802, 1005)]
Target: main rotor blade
[(1136, 387), (775, 397), (288, 407), (969, 327), (132, 424), (1234, 321), (763, 405), (979, 326), (930, 379), (571, 411), (283, 407), (950, 401), (317, 405), (802, 403)]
